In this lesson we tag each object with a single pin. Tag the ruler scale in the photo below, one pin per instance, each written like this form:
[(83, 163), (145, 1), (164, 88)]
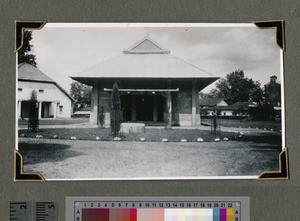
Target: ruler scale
[(46, 211), (158, 209), (19, 211)]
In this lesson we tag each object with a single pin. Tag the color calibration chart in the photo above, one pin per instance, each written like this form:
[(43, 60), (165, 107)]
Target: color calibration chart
[(157, 209)]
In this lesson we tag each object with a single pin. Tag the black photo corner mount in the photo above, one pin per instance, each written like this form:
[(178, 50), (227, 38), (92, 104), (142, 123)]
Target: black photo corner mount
[(282, 173), (279, 26), (21, 26), (19, 174)]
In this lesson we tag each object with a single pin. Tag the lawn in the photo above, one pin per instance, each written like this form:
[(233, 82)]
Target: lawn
[(151, 134), (56, 159), (56, 121), (274, 125)]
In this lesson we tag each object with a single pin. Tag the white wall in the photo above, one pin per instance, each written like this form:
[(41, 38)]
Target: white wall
[(226, 113), (51, 94)]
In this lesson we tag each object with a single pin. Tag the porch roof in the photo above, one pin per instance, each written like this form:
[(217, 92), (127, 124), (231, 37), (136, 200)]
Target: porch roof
[(145, 59), (144, 66)]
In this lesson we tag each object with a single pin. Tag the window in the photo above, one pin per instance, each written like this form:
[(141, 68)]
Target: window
[(19, 89), (41, 90), (61, 109)]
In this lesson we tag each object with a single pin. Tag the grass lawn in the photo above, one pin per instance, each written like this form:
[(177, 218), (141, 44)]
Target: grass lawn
[(56, 159), (275, 125), (151, 134), (56, 121)]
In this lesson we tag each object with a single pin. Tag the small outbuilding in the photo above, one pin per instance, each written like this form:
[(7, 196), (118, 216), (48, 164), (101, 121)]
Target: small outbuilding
[(53, 100)]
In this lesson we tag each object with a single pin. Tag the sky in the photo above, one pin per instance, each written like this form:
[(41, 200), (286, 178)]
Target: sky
[(66, 51)]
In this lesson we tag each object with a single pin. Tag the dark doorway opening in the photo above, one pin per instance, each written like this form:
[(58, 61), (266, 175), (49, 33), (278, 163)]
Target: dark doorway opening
[(25, 105), (46, 110), (126, 105), (145, 108)]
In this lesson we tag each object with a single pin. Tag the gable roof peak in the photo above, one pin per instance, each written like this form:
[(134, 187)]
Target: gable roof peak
[(146, 46)]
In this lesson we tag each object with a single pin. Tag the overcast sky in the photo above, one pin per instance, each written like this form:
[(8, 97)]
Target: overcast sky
[(65, 51)]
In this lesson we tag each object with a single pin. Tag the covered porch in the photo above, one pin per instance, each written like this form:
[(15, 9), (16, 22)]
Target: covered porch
[(160, 102), (47, 109)]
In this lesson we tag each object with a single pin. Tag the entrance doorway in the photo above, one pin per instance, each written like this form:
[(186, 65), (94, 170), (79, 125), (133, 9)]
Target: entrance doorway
[(25, 106), (46, 113), (145, 108)]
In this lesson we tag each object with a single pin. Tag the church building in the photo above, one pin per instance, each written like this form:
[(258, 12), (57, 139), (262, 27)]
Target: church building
[(155, 86)]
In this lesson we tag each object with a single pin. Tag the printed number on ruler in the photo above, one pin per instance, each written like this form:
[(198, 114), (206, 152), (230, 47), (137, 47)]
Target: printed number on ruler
[(46, 211), (20, 211)]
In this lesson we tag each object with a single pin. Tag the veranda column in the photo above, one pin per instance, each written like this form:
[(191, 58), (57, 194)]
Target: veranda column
[(94, 105), (154, 108), (19, 108), (169, 106), (133, 108), (169, 110), (194, 104), (40, 109), (55, 110)]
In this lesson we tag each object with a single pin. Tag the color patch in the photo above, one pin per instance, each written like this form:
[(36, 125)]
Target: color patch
[(158, 214), (222, 214), (230, 214), (95, 214), (151, 214)]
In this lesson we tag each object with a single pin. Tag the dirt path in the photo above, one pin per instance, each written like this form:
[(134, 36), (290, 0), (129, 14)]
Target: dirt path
[(56, 159)]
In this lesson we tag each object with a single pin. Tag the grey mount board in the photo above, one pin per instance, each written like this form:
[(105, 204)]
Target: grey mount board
[(270, 200)]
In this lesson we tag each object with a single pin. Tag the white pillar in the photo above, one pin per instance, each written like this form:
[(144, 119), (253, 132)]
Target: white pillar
[(195, 116), (19, 108), (55, 109), (94, 105), (169, 110), (40, 109)]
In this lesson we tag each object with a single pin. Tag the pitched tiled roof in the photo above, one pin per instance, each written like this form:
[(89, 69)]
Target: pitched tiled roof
[(30, 73), (145, 59), (210, 101), (27, 72)]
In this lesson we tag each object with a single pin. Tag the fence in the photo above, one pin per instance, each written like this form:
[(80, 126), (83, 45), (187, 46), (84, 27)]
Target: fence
[(215, 124)]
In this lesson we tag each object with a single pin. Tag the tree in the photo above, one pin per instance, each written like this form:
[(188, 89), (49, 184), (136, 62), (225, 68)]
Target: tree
[(33, 121), (115, 97), (24, 53), (235, 87), (115, 110), (81, 93), (212, 94)]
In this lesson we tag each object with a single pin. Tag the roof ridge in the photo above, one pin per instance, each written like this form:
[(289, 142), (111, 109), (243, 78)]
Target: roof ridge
[(130, 50)]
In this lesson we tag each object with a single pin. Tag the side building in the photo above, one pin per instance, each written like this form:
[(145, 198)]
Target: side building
[(53, 100)]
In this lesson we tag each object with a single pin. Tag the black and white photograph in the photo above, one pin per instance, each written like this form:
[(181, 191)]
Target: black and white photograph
[(106, 101)]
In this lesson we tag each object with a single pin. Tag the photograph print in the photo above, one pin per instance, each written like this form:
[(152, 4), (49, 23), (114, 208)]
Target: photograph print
[(101, 101)]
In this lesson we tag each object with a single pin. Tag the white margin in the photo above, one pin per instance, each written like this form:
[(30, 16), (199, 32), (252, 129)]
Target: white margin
[(188, 25)]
